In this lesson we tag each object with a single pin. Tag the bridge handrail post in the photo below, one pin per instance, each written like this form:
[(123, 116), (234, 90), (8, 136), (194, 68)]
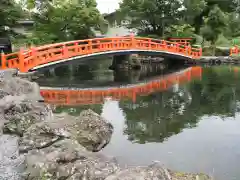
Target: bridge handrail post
[(21, 60), (189, 50), (133, 41), (76, 47), (177, 47), (164, 43), (3, 60), (231, 52), (200, 51), (149, 43), (90, 46), (64, 51), (236, 50), (33, 54)]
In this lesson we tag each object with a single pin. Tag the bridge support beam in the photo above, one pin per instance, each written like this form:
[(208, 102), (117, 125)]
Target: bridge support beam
[(125, 62)]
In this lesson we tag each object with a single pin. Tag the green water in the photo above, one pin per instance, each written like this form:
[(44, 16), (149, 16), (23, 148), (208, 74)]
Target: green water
[(192, 126)]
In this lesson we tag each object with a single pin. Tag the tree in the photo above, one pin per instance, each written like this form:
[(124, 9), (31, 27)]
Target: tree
[(214, 25), (193, 13), (184, 30), (66, 20), (10, 12), (197, 10), (233, 27), (151, 16)]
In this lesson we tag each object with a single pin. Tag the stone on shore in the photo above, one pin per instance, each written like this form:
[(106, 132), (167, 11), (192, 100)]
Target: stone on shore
[(11, 164), (16, 86), (68, 160), (8, 73), (19, 113), (189, 176), (154, 171), (89, 129)]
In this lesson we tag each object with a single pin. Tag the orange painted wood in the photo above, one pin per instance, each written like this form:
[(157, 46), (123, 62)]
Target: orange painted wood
[(234, 51), (26, 60)]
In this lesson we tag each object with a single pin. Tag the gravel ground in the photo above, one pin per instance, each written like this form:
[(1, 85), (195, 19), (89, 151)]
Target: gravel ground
[(11, 164)]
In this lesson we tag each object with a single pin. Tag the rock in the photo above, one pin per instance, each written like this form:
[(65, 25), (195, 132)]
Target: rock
[(89, 129), (189, 176), (8, 73), (154, 171), (96, 131), (67, 160), (19, 113), (16, 86), (11, 163)]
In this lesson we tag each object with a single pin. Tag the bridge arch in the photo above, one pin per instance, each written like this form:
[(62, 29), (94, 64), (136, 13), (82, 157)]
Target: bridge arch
[(43, 56)]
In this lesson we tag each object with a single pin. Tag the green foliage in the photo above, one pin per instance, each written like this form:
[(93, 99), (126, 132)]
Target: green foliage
[(223, 41), (151, 16), (187, 18), (214, 25), (66, 21), (233, 25), (10, 12), (185, 30), (197, 10)]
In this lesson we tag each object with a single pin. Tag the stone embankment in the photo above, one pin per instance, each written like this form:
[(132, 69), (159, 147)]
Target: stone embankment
[(35, 144), (218, 60)]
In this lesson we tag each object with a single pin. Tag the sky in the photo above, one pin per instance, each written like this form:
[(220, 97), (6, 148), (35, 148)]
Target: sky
[(107, 6)]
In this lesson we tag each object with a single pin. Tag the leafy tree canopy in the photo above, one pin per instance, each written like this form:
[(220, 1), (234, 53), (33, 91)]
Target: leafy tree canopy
[(151, 16), (65, 20), (10, 12)]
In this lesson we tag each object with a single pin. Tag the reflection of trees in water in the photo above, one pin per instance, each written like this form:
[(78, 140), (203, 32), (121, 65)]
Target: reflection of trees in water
[(75, 110), (156, 117)]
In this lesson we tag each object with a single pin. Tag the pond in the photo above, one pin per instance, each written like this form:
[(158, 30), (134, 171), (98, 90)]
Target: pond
[(185, 117)]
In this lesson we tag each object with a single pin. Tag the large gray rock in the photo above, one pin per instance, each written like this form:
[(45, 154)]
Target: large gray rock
[(8, 73), (89, 129), (189, 176), (19, 113), (154, 171), (16, 86), (67, 160)]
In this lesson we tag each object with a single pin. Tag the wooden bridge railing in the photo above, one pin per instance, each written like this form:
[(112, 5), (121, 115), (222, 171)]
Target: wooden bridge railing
[(97, 96), (26, 60), (234, 51)]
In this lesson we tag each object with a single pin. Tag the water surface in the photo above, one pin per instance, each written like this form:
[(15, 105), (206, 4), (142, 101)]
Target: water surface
[(187, 118)]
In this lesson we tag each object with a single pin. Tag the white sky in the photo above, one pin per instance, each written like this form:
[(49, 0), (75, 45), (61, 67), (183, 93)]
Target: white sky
[(108, 6)]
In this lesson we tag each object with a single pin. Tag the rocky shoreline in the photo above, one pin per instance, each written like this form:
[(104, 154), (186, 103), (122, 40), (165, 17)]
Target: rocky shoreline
[(218, 60), (35, 144)]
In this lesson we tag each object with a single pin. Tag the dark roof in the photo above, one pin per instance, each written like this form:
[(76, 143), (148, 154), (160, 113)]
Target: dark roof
[(109, 14)]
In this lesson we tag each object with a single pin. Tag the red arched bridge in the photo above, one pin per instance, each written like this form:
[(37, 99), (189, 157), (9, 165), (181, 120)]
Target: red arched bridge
[(73, 97), (38, 57)]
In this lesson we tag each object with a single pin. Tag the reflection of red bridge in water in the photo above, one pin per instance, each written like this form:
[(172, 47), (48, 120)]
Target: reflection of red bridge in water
[(97, 96)]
